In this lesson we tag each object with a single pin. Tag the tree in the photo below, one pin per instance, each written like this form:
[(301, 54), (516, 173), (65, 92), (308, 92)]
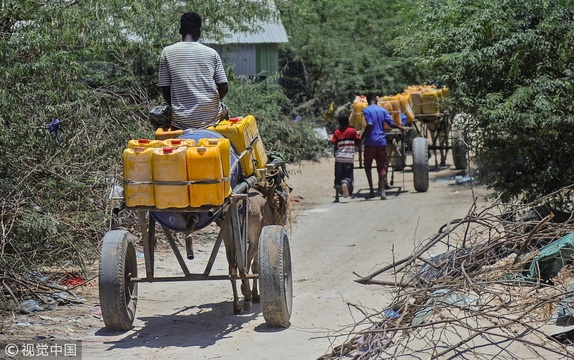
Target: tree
[(93, 65), (509, 63), (338, 49)]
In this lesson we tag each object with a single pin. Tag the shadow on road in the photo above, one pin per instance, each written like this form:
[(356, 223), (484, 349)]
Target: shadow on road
[(193, 326)]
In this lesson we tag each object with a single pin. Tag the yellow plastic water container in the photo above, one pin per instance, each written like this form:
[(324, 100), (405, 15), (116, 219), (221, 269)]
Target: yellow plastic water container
[(258, 146), (406, 108), (161, 134), (393, 107), (357, 119), (241, 132), (386, 105), (416, 99), (138, 168), (179, 142), (407, 96), (204, 164), (429, 101), (169, 164), (225, 150), (145, 143)]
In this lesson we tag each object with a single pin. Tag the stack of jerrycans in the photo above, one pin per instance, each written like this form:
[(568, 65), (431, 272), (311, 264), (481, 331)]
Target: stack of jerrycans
[(138, 190), (241, 132), (175, 173)]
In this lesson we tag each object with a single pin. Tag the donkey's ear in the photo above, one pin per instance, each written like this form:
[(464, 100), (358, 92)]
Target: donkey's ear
[(276, 146)]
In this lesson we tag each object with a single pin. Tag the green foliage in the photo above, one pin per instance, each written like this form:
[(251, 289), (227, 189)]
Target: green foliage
[(510, 63), (93, 65), (267, 102), (339, 49)]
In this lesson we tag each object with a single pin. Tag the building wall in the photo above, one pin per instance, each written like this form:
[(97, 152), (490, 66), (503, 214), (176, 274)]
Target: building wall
[(267, 59), (250, 60)]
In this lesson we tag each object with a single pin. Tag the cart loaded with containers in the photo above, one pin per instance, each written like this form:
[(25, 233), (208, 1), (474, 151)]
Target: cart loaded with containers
[(428, 126), (182, 181)]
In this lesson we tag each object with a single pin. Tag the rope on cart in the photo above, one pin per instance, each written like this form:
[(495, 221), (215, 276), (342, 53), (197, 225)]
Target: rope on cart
[(175, 183)]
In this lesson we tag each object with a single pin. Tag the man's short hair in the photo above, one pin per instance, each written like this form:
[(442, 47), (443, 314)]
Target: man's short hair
[(371, 97), (190, 23)]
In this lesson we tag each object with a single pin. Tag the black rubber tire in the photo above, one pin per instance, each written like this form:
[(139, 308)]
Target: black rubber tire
[(275, 278), (118, 295), (459, 154), (420, 164)]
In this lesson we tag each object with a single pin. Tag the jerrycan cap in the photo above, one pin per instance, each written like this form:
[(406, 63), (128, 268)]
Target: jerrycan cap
[(212, 141), (167, 150), (234, 119), (143, 141), (201, 149), (138, 149), (176, 141)]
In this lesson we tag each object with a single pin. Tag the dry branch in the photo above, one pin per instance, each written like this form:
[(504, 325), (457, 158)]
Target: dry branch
[(462, 291)]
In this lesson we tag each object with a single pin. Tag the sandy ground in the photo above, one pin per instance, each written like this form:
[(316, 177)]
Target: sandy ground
[(330, 243)]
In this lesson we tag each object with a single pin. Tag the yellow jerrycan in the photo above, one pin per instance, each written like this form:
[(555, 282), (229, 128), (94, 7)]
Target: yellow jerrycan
[(242, 132), (169, 165), (225, 150), (145, 143), (205, 173), (138, 168)]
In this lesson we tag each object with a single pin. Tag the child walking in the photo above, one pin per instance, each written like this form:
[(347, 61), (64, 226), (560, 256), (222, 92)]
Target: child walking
[(345, 138)]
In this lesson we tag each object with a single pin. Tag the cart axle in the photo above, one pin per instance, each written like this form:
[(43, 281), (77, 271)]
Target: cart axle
[(192, 277)]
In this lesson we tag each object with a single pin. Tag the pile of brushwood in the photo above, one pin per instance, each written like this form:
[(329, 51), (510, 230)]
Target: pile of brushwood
[(495, 284)]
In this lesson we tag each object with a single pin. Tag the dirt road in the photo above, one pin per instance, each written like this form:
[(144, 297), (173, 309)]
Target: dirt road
[(329, 242)]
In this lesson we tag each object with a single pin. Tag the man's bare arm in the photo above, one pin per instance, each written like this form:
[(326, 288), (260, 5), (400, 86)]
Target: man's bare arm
[(166, 92), (222, 89)]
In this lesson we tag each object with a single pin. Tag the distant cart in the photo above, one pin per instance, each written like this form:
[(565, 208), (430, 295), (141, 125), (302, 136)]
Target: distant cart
[(429, 132), (423, 133), (401, 144), (442, 136)]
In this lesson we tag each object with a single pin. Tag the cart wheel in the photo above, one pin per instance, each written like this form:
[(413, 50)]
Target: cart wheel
[(275, 276), (458, 144), (118, 295), (420, 164), (459, 154)]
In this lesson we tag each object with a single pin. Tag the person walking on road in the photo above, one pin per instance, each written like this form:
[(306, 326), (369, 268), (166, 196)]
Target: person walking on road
[(192, 78), (345, 138), (375, 143)]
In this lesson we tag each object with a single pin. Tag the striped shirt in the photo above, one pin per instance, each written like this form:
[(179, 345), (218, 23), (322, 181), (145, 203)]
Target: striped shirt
[(345, 138), (192, 71)]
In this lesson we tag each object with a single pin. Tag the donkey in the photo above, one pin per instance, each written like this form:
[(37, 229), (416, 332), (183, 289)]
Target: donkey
[(439, 133), (259, 214)]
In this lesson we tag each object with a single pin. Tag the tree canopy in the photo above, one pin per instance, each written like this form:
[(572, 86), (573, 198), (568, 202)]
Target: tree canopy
[(510, 64), (338, 49)]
